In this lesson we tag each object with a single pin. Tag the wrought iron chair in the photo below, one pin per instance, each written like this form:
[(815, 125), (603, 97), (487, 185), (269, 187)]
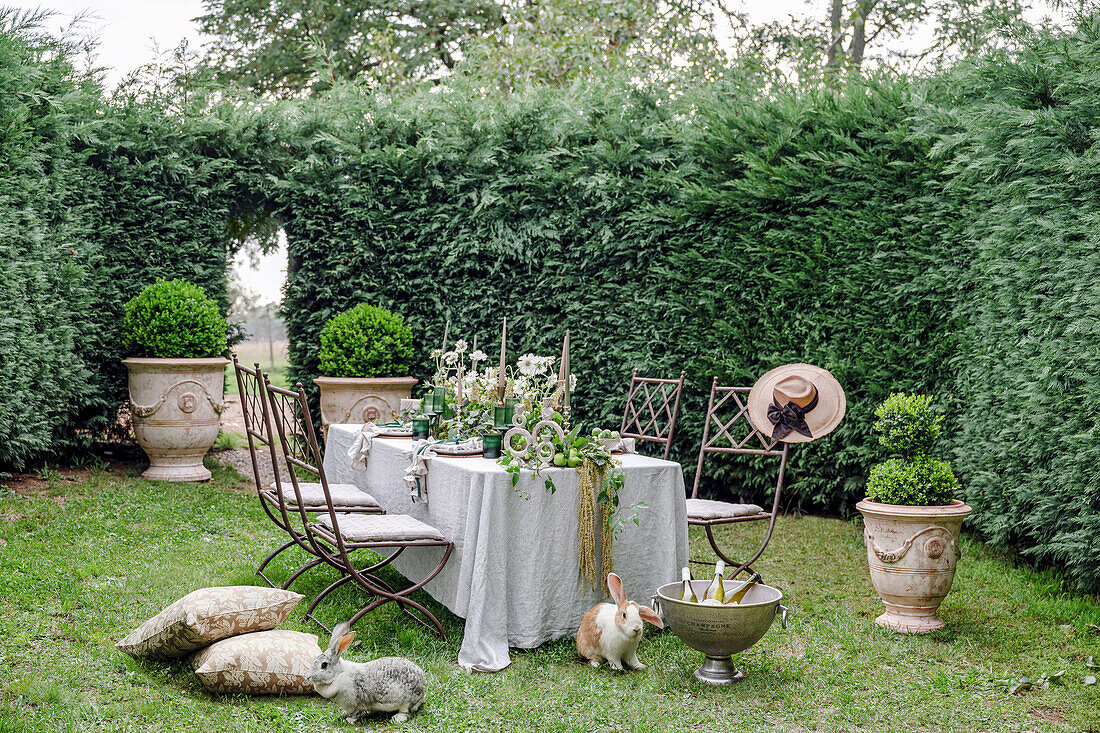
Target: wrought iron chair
[(655, 420), (336, 534), (279, 500), (718, 438)]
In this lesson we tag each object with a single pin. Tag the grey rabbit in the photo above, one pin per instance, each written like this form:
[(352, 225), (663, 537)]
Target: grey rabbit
[(385, 685)]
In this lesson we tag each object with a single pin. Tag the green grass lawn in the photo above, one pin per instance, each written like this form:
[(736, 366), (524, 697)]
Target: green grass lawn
[(83, 562), (272, 359)]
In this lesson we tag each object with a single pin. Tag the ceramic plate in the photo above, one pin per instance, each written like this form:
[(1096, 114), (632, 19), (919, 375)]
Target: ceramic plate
[(454, 453)]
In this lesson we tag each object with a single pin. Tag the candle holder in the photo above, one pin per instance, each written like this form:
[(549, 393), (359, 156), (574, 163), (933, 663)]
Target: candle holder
[(422, 428), (491, 445)]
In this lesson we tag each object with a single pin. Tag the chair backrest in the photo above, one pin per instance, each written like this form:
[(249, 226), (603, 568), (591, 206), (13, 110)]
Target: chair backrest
[(289, 412), (727, 420), (250, 386), (652, 406)]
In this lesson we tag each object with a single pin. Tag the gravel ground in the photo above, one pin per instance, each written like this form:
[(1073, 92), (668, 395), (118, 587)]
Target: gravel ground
[(233, 422)]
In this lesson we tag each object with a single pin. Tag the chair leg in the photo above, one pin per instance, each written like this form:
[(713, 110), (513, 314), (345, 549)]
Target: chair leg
[(386, 594), (269, 558), (295, 575), (730, 562)]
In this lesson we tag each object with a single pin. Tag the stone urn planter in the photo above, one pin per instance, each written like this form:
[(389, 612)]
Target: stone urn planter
[(912, 552), (176, 405), (361, 399)]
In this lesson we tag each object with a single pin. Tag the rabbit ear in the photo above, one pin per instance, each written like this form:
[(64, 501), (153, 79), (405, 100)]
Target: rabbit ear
[(615, 585), (344, 643), (648, 614), (338, 633)]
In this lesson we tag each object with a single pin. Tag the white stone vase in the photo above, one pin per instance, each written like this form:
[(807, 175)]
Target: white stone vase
[(912, 552), (360, 399), (177, 406)]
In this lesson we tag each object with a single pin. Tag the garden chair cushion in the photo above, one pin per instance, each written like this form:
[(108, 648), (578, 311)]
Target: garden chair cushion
[(343, 495), (382, 528), (708, 509), (260, 663), (208, 615)]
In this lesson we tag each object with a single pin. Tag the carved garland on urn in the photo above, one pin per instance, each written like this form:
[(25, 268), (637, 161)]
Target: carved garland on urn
[(187, 402), (933, 547)]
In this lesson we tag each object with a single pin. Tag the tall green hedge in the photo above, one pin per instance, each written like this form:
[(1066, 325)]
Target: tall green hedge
[(931, 236), (709, 232), (43, 278), (99, 197), (1019, 141)]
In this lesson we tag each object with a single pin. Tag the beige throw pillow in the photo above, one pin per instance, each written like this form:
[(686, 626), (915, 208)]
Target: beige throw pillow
[(261, 663), (206, 616)]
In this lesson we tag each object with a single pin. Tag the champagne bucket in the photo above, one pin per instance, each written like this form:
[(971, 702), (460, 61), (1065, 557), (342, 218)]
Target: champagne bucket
[(719, 631)]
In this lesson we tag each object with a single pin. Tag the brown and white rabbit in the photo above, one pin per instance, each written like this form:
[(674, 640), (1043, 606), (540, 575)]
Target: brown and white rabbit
[(613, 631)]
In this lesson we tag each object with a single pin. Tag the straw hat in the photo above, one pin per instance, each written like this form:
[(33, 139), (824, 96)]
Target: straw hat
[(796, 403)]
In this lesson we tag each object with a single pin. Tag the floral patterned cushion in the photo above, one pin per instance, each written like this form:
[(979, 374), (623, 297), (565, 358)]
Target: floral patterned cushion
[(261, 663), (206, 616)]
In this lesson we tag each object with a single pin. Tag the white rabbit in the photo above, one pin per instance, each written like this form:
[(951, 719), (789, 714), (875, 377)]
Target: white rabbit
[(386, 685), (613, 631)]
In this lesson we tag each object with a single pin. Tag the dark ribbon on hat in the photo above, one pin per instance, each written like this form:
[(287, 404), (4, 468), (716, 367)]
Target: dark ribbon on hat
[(789, 418)]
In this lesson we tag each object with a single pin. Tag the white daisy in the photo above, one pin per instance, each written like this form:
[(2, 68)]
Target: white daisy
[(461, 346), (529, 365), (435, 353), (478, 355), (450, 357)]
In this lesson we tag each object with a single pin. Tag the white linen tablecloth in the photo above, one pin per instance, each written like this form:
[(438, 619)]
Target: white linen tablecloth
[(514, 573)]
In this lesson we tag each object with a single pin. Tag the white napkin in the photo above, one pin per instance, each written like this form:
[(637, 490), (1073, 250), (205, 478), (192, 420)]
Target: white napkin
[(626, 445), (416, 475), (360, 448), (419, 455)]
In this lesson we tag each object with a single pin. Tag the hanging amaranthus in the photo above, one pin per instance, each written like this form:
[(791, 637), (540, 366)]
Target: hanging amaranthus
[(591, 483)]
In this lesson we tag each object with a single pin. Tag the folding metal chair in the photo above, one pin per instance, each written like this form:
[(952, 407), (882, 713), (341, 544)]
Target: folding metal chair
[(718, 437), (655, 420), (337, 534), (281, 502)]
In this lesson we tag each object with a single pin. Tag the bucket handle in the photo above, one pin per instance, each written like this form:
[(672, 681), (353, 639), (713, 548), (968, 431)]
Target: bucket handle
[(655, 604), (782, 611)]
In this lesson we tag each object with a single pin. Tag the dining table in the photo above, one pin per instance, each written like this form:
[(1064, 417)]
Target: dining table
[(514, 574)]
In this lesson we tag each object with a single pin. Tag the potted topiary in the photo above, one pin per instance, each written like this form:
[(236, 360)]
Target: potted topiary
[(365, 357), (176, 335), (911, 518)]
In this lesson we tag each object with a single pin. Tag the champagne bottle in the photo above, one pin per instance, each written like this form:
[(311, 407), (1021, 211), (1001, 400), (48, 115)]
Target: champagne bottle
[(687, 593), (716, 591), (738, 595)]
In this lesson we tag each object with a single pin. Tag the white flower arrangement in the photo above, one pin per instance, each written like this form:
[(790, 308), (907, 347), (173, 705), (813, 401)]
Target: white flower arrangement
[(530, 382)]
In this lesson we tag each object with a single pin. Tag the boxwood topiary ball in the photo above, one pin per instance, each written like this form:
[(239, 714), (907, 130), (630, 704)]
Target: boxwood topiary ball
[(173, 319), (366, 341), (920, 481)]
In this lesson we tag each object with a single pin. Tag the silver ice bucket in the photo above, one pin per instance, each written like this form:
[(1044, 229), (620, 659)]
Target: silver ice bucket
[(719, 631)]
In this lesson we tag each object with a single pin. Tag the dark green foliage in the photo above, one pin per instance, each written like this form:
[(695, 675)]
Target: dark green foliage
[(365, 341), (907, 424), (173, 319), (97, 200), (44, 286), (918, 481), (756, 234), (1019, 143), (940, 237)]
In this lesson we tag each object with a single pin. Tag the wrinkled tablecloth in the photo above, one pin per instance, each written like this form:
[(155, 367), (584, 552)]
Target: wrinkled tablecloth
[(514, 573)]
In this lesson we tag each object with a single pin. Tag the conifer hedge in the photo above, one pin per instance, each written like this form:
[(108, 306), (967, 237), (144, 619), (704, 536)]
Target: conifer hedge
[(98, 198), (938, 237), (711, 232)]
